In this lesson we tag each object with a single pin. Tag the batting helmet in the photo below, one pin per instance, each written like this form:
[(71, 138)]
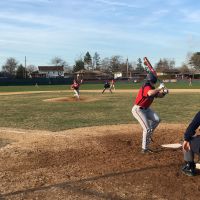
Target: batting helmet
[(152, 78)]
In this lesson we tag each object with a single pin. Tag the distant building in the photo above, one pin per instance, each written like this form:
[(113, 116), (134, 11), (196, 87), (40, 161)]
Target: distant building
[(134, 75), (52, 71), (92, 75), (49, 71)]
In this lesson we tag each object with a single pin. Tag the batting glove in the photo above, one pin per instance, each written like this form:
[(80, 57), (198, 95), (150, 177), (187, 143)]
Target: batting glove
[(161, 86)]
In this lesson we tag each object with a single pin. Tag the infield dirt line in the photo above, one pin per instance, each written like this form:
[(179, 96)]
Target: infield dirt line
[(98, 91)]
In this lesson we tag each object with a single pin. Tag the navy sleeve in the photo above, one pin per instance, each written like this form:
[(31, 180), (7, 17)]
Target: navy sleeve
[(191, 129)]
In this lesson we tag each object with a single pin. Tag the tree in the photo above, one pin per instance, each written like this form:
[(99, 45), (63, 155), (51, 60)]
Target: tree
[(115, 63), (125, 66), (79, 65), (105, 65), (21, 72), (10, 66), (88, 60), (96, 61), (195, 60), (165, 64), (30, 69), (139, 65), (184, 69), (58, 62)]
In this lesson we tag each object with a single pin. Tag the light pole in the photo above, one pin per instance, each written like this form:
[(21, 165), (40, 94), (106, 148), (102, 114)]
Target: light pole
[(127, 67), (25, 67)]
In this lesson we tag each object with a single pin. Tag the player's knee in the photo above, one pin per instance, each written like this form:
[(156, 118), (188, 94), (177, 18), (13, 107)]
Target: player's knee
[(158, 120)]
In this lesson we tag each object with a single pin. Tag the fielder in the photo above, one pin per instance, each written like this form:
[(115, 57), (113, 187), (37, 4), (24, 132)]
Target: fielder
[(112, 85), (191, 146), (75, 86), (147, 118), (107, 86)]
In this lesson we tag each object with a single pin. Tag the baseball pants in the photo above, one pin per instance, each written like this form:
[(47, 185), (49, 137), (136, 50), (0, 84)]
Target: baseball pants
[(149, 120), (76, 93), (194, 149)]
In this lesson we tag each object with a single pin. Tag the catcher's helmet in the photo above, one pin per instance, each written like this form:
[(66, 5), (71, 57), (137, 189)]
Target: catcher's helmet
[(152, 78)]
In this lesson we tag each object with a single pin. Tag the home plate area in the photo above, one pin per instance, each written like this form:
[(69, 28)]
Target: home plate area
[(93, 163), (173, 146)]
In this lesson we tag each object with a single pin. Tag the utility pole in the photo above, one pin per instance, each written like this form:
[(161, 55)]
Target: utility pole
[(25, 67), (127, 67)]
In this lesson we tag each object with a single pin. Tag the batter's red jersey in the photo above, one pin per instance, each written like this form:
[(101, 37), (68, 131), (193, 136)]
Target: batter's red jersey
[(142, 98)]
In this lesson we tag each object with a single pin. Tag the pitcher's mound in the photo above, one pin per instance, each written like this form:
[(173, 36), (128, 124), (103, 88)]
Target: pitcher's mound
[(71, 99)]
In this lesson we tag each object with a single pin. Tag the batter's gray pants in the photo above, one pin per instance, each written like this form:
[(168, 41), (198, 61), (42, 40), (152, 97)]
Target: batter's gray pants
[(149, 120), (194, 149)]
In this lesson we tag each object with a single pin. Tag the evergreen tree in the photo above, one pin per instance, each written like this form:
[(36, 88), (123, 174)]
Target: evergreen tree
[(21, 72), (79, 65), (139, 65), (88, 60), (96, 61)]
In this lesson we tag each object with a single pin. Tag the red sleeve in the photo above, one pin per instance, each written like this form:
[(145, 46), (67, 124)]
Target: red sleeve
[(146, 89)]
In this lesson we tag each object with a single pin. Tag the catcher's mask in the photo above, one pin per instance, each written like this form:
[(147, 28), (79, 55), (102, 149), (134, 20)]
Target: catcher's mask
[(152, 78)]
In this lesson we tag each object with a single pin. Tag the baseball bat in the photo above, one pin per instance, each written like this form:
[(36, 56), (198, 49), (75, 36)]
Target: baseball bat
[(152, 70)]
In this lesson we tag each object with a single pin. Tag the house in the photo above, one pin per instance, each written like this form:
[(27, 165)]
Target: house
[(92, 75), (36, 74), (168, 72), (135, 75), (51, 71), (194, 74)]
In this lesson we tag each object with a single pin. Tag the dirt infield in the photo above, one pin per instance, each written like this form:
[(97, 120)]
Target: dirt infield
[(93, 163), (99, 91), (72, 99)]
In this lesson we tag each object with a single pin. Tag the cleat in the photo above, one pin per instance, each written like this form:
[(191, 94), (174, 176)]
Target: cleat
[(146, 151), (151, 139), (189, 169)]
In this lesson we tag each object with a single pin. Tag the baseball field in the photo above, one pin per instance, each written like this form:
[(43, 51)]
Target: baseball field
[(55, 147)]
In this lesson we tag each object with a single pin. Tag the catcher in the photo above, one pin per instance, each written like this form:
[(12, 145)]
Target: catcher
[(75, 86), (147, 118), (191, 146)]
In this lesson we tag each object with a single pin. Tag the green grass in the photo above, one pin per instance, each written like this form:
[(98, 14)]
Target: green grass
[(118, 85), (31, 112)]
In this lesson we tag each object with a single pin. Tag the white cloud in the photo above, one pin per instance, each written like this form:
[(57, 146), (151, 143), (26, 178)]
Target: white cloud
[(191, 15), (117, 3), (161, 12), (30, 1), (109, 26), (30, 18)]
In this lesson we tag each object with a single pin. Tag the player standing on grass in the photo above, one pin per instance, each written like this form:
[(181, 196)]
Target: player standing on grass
[(147, 118), (191, 146), (75, 86)]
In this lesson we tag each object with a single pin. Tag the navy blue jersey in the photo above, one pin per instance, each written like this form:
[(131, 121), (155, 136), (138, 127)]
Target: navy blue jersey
[(191, 129), (107, 85)]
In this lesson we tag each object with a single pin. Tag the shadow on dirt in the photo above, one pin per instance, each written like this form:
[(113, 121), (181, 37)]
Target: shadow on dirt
[(78, 186), (4, 142)]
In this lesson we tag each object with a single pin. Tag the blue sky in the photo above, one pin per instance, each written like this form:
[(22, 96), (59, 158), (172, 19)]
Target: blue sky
[(43, 29)]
